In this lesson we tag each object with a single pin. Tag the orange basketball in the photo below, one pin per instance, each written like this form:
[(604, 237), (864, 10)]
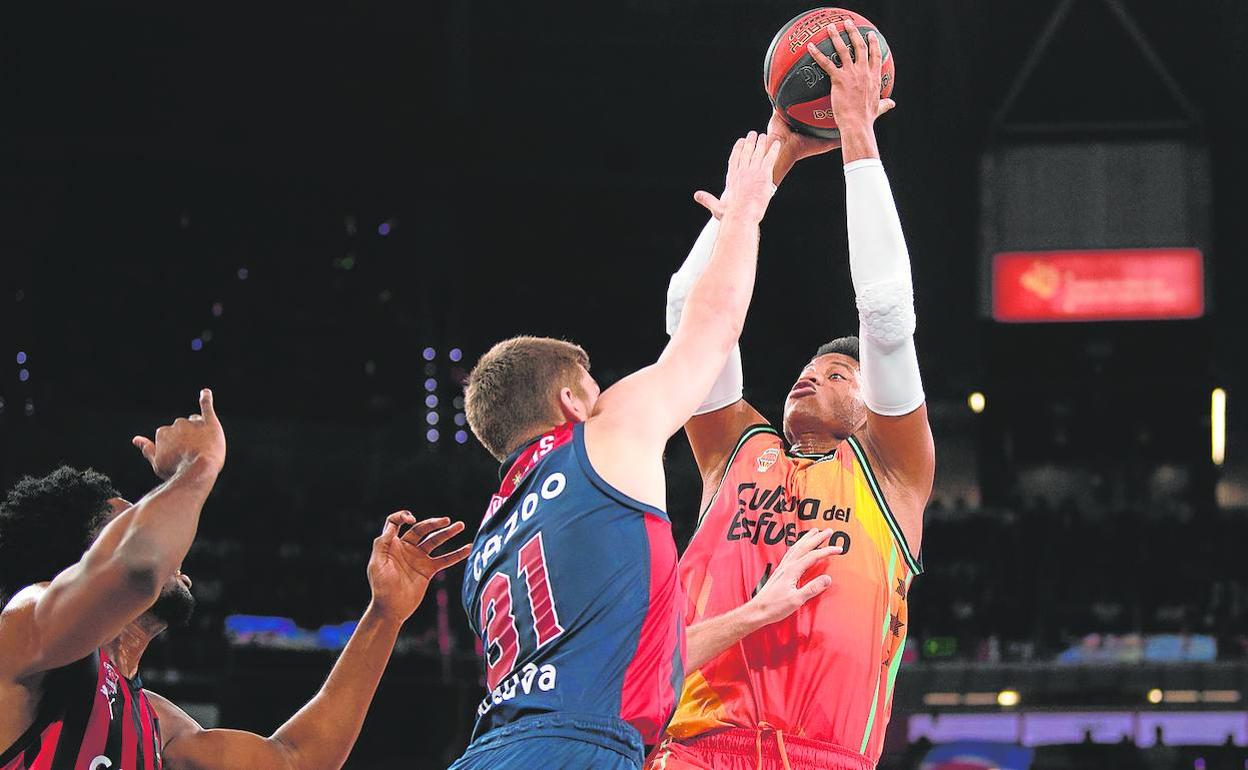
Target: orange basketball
[(799, 89)]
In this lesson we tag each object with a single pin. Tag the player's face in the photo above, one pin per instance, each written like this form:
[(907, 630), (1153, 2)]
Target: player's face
[(175, 604), (825, 400)]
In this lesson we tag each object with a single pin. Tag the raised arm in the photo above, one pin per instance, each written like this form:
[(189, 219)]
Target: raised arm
[(897, 435), (321, 735), (636, 416), (723, 415), (121, 575)]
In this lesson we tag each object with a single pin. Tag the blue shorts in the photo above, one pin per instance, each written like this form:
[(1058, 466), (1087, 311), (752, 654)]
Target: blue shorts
[(557, 741)]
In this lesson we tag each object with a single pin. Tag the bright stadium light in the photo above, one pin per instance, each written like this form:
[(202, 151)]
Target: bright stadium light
[(1217, 424), (976, 402), (1154, 696), (1008, 698)]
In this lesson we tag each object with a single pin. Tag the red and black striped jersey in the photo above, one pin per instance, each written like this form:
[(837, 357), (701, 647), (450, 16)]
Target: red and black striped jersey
[(90, 718)]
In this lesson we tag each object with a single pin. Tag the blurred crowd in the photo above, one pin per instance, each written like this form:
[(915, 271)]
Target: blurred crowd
[(1032, 582)]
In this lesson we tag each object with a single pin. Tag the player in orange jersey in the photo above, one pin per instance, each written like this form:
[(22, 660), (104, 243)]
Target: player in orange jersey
[(856, 461)]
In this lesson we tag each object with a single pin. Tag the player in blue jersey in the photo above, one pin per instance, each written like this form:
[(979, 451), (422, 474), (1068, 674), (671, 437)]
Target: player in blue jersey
[(571, 584)]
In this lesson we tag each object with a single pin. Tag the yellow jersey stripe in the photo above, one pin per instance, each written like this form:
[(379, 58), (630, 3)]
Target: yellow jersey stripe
[(916, 566)]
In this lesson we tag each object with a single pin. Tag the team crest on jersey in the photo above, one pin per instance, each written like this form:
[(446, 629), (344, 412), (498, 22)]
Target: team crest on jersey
[(767, 459), (110, 687)]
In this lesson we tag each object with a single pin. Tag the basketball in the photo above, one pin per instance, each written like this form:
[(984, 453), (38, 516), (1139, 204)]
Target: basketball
[(796, 85)]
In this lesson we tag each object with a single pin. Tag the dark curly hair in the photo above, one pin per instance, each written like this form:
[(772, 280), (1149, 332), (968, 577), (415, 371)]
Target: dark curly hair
[(47, 523)]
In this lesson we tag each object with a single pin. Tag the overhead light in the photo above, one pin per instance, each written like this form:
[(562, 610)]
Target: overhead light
[(1154, 696), (976, 402), (1008, 698)]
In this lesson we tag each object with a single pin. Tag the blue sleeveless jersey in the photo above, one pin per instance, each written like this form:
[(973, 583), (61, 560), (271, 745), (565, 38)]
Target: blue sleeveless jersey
[(572, 588)]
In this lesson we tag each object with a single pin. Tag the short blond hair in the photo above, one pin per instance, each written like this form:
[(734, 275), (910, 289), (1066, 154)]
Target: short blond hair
[(513, 391)]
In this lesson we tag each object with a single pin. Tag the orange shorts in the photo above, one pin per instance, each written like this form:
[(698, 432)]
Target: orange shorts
[(742, 749)]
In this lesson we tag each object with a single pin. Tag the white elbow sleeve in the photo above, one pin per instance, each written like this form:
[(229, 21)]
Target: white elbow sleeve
[(880, 267), (886, 311)]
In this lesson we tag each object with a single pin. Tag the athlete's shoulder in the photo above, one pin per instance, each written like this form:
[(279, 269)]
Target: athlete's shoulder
[(174, 724), (23, 601), (17, 630), (904, 531), (760, 433), (759, 439), (856, 451)]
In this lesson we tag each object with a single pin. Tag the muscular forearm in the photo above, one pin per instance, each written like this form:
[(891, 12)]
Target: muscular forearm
[(706, 640), (683, 280), (728, 386), (159, 529), (717, 304), (320, 736)]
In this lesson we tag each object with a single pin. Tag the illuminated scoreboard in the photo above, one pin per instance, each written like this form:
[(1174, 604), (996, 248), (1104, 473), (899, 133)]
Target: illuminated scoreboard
[(1098, 285), (1094, 231), (1095, 266)]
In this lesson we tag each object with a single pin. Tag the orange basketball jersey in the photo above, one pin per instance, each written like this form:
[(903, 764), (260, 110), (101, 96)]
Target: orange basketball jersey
[(827, 671)]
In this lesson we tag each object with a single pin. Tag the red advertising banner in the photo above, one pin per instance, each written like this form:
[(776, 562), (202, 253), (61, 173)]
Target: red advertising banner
[(1099, 285)]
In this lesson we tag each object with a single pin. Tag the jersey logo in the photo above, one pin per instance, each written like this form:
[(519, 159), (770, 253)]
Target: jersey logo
[(524, 464), (109, 688), (767, 459)]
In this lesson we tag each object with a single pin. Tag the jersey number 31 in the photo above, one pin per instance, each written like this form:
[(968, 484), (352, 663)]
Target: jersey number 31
[(502, 638)]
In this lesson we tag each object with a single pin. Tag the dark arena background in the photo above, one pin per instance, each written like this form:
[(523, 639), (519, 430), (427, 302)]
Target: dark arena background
[(327, 213)]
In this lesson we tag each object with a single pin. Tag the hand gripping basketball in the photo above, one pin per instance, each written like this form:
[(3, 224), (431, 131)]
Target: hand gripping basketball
[(748, 187), (856, 80)]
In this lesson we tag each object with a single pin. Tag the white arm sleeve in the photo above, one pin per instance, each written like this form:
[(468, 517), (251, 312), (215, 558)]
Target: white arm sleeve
[(728, 387), (880, 267)]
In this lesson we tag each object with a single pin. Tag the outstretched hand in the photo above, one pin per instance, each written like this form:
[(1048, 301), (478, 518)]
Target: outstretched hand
[(402, 565), (188, 439), (748, 187)]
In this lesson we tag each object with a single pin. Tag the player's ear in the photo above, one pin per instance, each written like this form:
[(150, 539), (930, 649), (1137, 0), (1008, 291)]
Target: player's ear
[(572, 407)]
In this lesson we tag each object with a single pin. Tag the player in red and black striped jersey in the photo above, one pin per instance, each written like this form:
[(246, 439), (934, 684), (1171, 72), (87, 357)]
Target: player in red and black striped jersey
[(74, 625)]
